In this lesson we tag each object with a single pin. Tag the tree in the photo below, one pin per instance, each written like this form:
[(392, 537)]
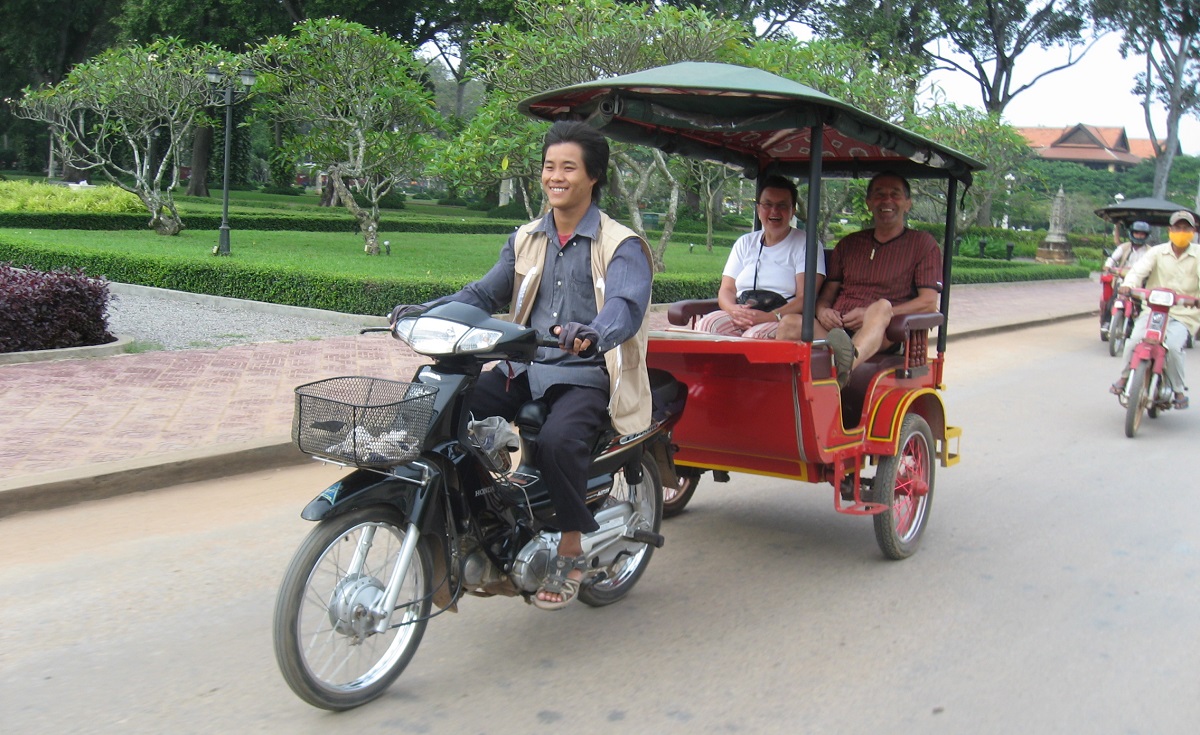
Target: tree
[(894, 33), (993, 33), (557, 45), (360, 110), (986, 138), (125, 113), (1167, 33)]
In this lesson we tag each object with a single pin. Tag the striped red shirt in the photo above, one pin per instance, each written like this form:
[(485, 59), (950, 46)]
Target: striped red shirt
[(892, 270)]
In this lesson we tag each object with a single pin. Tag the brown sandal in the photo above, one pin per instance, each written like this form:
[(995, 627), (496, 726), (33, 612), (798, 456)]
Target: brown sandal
[(558, 583)]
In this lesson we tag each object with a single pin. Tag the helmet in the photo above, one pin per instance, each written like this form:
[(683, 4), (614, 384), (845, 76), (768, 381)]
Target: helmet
[(1139, 232)]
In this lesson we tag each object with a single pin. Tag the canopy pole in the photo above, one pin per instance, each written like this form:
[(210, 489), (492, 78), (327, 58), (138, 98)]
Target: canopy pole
[(947, 259), (813, 247)]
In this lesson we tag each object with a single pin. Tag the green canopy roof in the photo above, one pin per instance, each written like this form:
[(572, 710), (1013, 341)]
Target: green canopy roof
[(748, 118)]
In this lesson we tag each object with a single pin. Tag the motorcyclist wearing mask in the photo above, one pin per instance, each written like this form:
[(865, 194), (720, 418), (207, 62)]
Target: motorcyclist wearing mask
[(1174, 265), (1124, 256)]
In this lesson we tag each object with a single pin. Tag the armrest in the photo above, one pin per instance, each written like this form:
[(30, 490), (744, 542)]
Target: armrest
[(900, 326), (684, 313)]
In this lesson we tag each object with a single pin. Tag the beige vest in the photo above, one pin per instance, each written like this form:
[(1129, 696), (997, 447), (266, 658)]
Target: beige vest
[(629, 383)]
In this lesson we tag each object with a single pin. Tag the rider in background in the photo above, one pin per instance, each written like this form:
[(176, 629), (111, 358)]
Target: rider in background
[(1124, 256), (1174, 265)]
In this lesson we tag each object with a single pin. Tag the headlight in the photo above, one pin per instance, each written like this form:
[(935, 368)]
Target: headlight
[(434, 336), (1162, 298)]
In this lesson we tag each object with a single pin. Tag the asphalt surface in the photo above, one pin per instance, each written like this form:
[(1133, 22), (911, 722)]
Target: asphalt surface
[(85, 427)]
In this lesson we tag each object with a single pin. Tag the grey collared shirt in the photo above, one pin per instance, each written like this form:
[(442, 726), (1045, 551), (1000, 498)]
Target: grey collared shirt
[(566, 293)]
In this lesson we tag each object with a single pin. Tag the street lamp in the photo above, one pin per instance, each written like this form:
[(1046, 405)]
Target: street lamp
[(1008, 182), (227, 97)]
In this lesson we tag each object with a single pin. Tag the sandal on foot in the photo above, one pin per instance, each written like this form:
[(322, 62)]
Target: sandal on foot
[(1117, 388), (558, 583), (1180, 402), (844, 352)]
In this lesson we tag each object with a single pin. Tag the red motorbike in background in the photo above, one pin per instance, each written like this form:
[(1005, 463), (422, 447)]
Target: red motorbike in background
[(1122, 311), (1148, 391)]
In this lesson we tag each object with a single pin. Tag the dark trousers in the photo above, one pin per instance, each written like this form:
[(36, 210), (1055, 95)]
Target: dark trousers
[(577, 414)]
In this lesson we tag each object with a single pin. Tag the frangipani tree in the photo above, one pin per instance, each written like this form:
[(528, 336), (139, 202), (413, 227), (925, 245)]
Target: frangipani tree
[(356, 100), (124, 115)]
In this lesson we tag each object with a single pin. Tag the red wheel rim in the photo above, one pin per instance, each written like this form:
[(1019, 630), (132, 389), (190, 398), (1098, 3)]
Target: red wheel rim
[(912, 486)]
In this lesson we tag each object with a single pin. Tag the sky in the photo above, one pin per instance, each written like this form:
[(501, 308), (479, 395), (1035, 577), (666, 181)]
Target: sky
[(1096, 91)]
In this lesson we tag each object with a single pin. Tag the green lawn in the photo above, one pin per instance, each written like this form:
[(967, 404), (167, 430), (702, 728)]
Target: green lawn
[(452, 256)]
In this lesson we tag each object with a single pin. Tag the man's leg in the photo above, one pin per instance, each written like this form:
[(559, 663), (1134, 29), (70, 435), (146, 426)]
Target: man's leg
[(869, 338), (496, 394), (564, 453), (1176, 338)]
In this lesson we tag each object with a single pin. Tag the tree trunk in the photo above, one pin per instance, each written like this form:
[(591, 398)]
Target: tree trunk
[(201, 153), (368, 220)]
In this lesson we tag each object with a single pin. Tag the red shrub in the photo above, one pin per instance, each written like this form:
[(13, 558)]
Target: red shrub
[(43, 311)]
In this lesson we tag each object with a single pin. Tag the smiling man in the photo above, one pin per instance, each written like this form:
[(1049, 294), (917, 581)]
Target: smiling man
[(873, 275), (580, 275)]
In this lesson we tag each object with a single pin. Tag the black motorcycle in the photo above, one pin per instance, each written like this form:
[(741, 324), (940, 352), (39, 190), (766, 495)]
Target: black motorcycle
[(435, 509)]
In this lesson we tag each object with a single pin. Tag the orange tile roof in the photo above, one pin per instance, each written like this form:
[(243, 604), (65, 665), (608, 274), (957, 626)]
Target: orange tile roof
[(1088, 144)]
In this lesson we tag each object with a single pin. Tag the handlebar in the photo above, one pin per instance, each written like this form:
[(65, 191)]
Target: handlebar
[(1142, 294)]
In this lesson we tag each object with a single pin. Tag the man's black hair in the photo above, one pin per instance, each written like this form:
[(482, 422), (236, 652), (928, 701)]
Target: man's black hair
[(775, 181), (593, 144), (892, 174)]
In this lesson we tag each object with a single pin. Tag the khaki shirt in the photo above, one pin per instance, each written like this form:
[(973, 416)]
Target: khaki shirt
[(1161, 268)]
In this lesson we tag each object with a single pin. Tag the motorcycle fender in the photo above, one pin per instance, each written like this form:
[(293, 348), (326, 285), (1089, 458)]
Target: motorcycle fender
[(364, 487)]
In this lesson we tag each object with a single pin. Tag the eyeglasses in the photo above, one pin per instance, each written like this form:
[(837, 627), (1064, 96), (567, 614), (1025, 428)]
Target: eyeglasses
[(775, 206)]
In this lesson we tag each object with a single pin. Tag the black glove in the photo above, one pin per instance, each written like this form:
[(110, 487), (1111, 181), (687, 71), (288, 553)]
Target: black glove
[(404, 310), (571, 331)]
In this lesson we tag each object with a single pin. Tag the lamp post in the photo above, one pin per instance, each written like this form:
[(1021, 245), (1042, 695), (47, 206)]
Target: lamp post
[(1008, 182), (227, 97)]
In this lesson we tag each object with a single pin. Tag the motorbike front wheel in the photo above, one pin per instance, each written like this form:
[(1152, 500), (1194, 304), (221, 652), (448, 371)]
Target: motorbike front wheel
[(1139, 398), (904, 483), (325, 641), (1116, 334), (647, 499)]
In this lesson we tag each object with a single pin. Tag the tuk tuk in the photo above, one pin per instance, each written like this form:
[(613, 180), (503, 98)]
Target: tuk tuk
[(774, 407)]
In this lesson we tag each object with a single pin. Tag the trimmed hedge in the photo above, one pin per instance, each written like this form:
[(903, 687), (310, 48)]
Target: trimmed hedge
[(295, 223), (223, 277)]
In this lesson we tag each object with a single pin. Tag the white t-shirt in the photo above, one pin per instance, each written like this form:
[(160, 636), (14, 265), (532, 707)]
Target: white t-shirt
[(777, 265)]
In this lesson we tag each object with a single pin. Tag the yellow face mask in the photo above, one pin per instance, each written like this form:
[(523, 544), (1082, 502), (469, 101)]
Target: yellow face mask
[(1180, 239)]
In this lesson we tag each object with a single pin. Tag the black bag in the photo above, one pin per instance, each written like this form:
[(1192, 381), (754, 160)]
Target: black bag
[(761, 299)]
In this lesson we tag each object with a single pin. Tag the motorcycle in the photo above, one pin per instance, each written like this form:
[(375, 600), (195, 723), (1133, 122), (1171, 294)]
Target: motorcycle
[(435, 510), (1148, 391), (1123, 312)]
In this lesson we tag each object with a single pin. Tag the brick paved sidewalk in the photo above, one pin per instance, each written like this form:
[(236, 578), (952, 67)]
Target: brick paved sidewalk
[(85, 417)]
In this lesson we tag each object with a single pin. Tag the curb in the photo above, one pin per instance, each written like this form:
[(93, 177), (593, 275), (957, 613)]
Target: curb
[(116, 347), (109, 479), (92, 482)]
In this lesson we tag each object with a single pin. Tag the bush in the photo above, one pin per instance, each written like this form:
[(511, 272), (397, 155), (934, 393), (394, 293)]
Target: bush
[(281, 222), (291, 191), (394, 199), (25, 196), (513, 210), (51, 310)]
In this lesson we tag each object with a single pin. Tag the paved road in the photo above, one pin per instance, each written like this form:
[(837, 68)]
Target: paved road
[(1056, 592)]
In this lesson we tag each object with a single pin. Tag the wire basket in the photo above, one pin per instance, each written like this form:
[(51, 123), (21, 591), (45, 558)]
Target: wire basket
[(366, 422)]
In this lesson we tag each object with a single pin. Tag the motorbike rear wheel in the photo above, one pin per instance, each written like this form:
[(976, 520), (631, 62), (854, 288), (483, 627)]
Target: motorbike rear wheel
[(675, 499), (904, 483), (324, 643), (1116, 334), (647, 499), (1139, 399)]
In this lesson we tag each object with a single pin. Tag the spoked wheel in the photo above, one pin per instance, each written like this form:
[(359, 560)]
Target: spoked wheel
[(1116, 334), (647, 499), (325, 641), (904, 483), (1139, 399), (675, 499)]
